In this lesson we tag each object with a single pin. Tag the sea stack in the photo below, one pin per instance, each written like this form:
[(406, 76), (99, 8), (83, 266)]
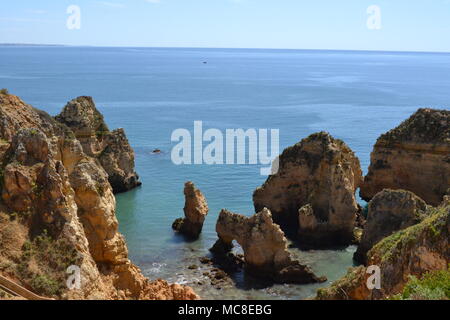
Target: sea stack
[(111, 148), (313, 193), (415, 156), (264, 245), (195, 212), (389, 211)]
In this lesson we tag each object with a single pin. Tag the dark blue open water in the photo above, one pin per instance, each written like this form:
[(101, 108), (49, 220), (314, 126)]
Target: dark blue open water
[(355, 96)]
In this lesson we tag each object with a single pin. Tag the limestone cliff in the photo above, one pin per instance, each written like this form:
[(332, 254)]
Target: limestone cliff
[(195, 212), (389, 211), (111, 148), (264, 245), (60, 205), (413, 251), (314, 191), (415, 156)]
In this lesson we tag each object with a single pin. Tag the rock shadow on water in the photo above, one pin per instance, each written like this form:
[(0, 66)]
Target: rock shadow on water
[(229, 271), (295, 243), (180, 238)]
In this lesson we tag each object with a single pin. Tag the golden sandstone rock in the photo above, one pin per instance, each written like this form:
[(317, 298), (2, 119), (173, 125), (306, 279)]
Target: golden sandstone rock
[(61, 192), (111, 148), (313, 192), (388, 212), (195, 212), (264, 245), (56, 195), (415, 156), (403, 236)]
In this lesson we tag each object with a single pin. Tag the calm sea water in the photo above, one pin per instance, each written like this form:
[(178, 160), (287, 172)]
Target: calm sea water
[(355, 96)]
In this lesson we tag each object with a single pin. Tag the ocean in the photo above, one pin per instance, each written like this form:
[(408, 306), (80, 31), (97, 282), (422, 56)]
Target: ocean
[(150, 92)]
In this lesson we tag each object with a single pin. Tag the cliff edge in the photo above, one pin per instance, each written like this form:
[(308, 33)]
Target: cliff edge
[(57, 211), (111, 148)]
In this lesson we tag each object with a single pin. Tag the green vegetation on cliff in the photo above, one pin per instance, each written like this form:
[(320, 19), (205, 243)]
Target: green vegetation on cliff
[(389, 248), (43, 264), (432, 286), (345, 288), (419, 253)]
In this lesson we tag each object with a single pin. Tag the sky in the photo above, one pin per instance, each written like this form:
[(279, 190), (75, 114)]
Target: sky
[(395, 25)]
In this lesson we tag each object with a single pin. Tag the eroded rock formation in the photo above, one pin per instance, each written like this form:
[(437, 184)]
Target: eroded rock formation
[(414, 251), (415, 156), (264, 245), (195, 212), (389, 211), (64, 200), (314, 191), (111, 148)]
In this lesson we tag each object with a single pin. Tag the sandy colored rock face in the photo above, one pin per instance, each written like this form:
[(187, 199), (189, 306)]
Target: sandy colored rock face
[(195, 212), (421, 248), (111, 148), (38, 184), (16, 114), (415, 156), (319, 172), (264, 245), (389, 212), (47, 176)]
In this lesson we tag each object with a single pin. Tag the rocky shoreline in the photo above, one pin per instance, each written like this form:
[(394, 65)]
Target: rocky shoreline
[(57, 209)]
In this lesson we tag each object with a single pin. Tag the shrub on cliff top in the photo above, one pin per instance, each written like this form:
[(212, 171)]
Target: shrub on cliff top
[(4, 91), (44, 262), (433, 286)]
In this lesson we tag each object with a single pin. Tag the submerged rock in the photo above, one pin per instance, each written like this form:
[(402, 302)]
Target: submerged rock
[(313, 193), (195, 212), (415, 156), (264, 246), (413, 251), (389, 212), (111, 148)]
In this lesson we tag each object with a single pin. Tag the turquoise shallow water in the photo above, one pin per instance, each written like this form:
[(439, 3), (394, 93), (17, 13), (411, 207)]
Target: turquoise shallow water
[(355, 96)]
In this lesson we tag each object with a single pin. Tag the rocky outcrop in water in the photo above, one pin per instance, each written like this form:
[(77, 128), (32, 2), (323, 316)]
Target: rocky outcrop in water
[(415, 156), (62, 210), (389, 211), (264, 245), (111, 148), (314, 191), (195, 212), (413, 251)]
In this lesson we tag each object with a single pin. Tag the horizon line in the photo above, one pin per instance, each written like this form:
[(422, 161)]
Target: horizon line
[(219, 48)]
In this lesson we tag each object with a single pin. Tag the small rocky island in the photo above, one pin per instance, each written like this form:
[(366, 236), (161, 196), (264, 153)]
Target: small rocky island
[(264, 245), (313, 193), (195, 212), (415, 156)]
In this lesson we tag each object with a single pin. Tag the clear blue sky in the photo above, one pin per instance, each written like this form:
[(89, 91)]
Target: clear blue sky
[(414, 25)]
